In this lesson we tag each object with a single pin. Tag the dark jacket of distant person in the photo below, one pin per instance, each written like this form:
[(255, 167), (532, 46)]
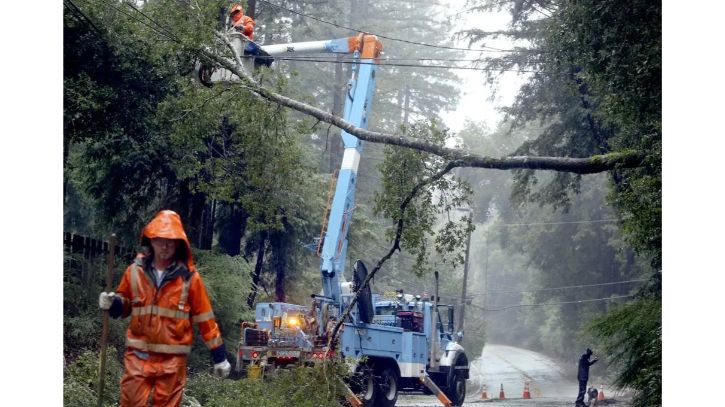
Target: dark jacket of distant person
[(584, 364)]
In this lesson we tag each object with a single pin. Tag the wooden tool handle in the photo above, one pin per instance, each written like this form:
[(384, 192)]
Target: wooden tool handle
[(104, 333)]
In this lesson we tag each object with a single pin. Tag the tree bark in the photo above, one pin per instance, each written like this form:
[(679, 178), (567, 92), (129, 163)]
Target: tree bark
[(279, 242), (257, 273), (231, 224)]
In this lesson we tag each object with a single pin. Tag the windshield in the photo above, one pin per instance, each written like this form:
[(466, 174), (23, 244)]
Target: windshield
[(385, 310)]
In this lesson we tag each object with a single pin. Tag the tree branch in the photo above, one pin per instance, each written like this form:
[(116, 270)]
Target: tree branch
[(583, 165), (396, 246)]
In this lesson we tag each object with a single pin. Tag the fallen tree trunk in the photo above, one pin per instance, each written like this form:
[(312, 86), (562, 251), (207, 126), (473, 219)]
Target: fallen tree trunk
[(463, 158)]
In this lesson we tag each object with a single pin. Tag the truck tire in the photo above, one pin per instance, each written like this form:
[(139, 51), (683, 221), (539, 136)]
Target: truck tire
[(388, 383), (365, 301), (369, 390), (456, 388)]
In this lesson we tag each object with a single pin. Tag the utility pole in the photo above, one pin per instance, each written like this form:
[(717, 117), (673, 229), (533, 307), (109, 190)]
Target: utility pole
[(462, 313), (485, 285)]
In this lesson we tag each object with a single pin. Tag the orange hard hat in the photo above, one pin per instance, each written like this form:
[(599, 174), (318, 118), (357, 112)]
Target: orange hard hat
[(236, 8)]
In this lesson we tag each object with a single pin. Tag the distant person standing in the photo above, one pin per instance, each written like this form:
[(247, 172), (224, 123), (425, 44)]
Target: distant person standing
[(583, 375)]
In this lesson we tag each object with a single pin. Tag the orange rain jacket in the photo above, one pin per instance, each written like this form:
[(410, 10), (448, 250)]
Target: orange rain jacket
[(161, 318), (244, 24)]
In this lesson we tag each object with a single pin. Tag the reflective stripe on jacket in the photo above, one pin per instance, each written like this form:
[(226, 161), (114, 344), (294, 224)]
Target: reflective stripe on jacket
[(161, 318)]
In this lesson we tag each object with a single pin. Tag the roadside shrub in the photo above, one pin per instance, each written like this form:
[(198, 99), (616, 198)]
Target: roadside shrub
[(227, 281), (80, 380), (316, 386), (631, 337)]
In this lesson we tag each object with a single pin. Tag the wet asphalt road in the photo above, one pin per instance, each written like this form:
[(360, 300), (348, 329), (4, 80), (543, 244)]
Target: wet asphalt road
[(551, 385)]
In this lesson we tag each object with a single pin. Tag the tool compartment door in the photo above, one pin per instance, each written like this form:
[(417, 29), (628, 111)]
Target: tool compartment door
[(415, 354)]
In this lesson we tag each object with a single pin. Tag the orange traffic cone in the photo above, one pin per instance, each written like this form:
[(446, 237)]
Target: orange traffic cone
[(600, 395), (484, 393), (501, 396), (527, 394)]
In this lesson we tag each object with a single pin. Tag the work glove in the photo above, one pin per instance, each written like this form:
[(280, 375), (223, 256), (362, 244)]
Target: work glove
[(105, 300), (222, 369)]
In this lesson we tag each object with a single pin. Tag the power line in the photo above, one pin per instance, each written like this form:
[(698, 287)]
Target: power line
[(166, 30), (550, 303), (349, 57), (166, 33), (559, 223), (487, 49), (565, 287), (79, 14), (402, 65)]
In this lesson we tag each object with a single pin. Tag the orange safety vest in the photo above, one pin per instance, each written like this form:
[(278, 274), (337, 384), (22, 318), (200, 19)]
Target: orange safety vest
[(161, 318)]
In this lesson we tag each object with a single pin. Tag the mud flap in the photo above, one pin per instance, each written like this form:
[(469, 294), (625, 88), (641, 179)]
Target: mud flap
[(350, 395), (428, 382)]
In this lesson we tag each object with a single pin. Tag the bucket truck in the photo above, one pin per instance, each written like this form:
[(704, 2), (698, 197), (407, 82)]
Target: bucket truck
[(400, 344)]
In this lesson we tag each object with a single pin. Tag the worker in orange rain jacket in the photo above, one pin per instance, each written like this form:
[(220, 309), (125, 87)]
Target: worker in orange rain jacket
[(242, 23), (163, 293)]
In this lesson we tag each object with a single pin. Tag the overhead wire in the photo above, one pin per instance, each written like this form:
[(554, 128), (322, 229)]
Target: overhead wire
[(166, 32), (404, 65), (78, 13), (348, 57), (550, 303), (485, 49), (564, 287), (559, 222)]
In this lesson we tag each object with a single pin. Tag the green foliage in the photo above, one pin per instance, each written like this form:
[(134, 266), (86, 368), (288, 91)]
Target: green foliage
[(617, 45), (597, 88), (228, 283), (80, 380), (526, 247), (631, 337), (83, 280), (141, 135), (316, 386), (406, 169)]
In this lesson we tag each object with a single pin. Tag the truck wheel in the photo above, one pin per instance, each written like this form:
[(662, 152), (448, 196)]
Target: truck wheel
[(388, 387), (456, 389), (364, 386)]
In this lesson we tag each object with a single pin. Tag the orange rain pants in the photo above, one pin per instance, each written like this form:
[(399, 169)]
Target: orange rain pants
[(166, 374)]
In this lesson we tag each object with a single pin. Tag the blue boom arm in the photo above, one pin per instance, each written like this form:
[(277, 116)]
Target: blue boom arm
[(358, 105)]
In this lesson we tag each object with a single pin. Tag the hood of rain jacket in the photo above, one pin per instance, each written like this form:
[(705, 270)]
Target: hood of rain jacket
[(167, 224)]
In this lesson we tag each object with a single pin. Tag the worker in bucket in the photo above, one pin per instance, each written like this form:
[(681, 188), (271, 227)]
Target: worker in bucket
[(583, 375), (242, 23), (163, 293)]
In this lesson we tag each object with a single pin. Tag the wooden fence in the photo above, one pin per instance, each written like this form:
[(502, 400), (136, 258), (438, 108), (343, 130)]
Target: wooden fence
[(90, 247)]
